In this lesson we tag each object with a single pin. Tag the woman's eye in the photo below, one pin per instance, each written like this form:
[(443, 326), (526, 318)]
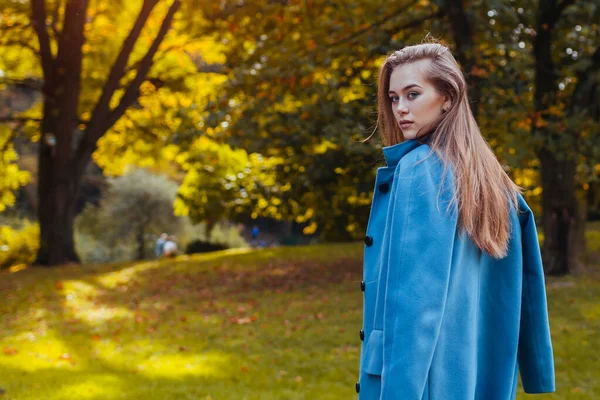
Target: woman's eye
[(394, 99), (412, 95)]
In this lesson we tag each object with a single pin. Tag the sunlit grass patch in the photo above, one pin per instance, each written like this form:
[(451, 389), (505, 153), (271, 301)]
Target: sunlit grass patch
[(224, 325)]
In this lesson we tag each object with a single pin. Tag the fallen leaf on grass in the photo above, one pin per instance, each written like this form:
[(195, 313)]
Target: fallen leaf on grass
[(10, 351), (242, 321)]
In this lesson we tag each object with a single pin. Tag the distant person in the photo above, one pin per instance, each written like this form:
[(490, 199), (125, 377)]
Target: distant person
[(170, 247), (160, 243), (254, 235)]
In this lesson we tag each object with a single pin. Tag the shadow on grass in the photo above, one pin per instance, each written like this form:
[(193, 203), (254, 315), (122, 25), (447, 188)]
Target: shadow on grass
[(184, 328)]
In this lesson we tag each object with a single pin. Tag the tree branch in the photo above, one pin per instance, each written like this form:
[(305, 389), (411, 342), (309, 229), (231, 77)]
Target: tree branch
[(38, 20), (7, 142), (561, 7), (203, 66), (414, 23), (29, 83), (96, 127), (552, 15), (72, 36), (118, 70), (19, 43), (388, 33), (375, 24), (131, 92), (55, 18), (8, 119), (164, 51)]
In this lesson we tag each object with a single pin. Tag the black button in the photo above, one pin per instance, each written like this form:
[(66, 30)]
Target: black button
[(368, 240), (362, 286), (384, 187), (357, 387), (362, 335)]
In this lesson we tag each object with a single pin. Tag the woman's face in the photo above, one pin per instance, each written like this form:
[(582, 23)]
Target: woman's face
[(415, 102)]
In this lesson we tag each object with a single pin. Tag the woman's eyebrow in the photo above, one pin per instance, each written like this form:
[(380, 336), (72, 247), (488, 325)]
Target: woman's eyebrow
[(407, 87)]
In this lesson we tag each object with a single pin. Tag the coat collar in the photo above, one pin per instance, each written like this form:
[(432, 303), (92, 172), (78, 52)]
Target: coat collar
[(394, 153)]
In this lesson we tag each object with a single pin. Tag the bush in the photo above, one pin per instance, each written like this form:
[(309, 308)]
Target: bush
[(296, 240), (92, 250), (200, 246), (224, 235), (228, 235), (18, 246)]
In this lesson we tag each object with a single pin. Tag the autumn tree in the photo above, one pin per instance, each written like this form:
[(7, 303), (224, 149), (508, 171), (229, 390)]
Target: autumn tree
[(300, 87), (303, 86), (545, 88), (539, 80), (564, 122), (61, 35)]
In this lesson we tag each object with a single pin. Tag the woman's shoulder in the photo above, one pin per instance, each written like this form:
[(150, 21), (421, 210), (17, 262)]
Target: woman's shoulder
[(424, 153), (426, 160), (425, 170), (524, 211)]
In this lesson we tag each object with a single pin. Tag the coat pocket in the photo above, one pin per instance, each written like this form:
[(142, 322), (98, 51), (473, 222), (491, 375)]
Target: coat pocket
[(373, 362)]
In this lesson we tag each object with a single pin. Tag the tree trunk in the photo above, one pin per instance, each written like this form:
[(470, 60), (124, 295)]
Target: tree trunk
[(140, 243), (563, 218), (462, 33), (57, 190), (563, 221), (57, 182)]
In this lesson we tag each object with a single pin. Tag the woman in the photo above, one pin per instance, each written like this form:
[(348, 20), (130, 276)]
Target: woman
[(454, 296)]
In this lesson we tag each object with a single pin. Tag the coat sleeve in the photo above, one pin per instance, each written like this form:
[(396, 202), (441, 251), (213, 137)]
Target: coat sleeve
[(536, 362), (422, 234)]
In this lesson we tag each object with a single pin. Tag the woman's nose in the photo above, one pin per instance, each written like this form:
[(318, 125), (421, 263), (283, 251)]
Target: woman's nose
[(401, 108)]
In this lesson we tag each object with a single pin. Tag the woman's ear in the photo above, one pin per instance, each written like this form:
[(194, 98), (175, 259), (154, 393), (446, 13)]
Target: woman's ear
[(447, 103)]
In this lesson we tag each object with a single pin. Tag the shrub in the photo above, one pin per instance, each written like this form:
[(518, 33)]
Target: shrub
[(200, 246), (18, 246)]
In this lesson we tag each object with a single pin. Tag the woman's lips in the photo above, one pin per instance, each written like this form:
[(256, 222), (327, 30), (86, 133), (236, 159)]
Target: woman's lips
[(405, 125)]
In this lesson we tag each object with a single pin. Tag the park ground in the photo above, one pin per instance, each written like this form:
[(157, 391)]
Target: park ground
[(275, 323)]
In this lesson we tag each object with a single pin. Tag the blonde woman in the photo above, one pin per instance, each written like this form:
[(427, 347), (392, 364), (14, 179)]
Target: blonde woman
[(454, 297)]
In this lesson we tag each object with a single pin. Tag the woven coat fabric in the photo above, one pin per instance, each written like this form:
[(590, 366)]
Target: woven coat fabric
[(442, 319)]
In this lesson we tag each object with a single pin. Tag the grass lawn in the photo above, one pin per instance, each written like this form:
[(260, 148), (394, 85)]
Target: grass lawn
[(269, 324)]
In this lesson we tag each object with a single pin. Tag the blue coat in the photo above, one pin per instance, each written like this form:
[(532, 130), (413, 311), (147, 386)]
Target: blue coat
[(443, 320)]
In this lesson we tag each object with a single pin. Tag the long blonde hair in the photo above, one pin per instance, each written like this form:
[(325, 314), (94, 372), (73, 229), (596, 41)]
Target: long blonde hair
[(483, 190)]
